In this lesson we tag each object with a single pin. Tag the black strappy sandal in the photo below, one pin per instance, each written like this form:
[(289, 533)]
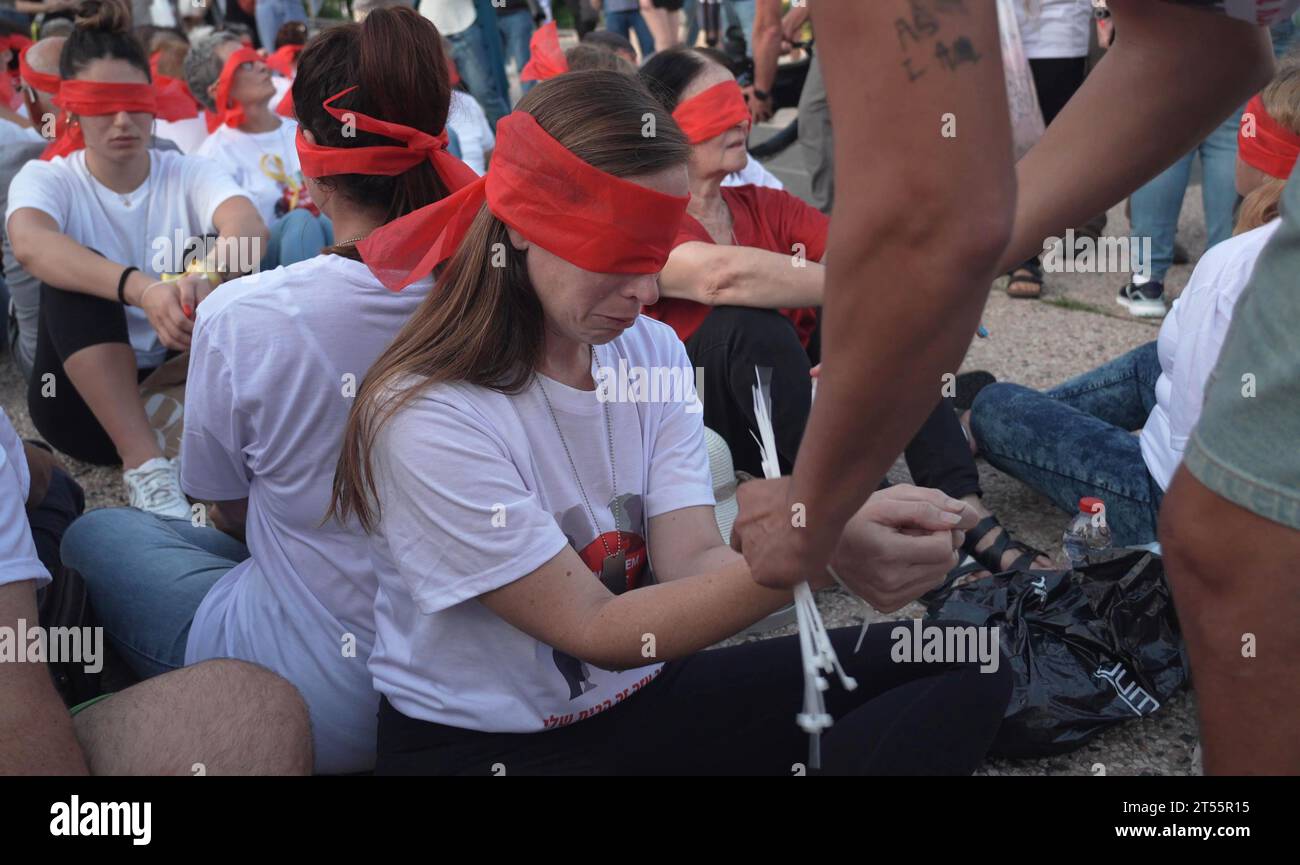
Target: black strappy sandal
[(1028, 274), (991, 557)]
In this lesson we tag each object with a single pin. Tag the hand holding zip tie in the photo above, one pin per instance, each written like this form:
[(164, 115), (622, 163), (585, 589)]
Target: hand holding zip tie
[(815, 647)]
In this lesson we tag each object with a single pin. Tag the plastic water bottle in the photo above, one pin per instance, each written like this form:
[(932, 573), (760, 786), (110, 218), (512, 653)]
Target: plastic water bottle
[(1087, 540)]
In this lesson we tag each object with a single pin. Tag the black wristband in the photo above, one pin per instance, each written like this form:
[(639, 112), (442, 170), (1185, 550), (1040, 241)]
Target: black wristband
[(121, 284)]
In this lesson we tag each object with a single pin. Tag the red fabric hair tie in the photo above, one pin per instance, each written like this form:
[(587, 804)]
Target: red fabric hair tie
[(711, 113), (318, 160), (42, 81), (228, 112), (546, 58), (453, 74), (593, 220), (17, 42), (283, 58), (93, 99), (1273, 148)]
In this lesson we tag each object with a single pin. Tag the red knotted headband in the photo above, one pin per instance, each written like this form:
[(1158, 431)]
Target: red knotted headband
[(175, 102), (711, 113), (546, 58), (593, 220), (228, 112), (1273, 148), (42, 81), (318, 160)]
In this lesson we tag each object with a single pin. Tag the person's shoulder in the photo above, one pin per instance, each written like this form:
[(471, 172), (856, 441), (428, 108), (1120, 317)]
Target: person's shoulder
[(329, 279), (1238, 251)]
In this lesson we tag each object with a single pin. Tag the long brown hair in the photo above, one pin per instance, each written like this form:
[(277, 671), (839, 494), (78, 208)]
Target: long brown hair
[(483, 324), (395, 58), (1282, 102)]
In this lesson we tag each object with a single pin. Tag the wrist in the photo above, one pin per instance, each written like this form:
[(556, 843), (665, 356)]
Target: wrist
[(136, 285)]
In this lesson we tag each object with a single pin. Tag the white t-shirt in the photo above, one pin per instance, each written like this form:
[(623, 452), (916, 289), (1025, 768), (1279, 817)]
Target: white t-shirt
[(275, 362), (1190, 341), (175, 204), (449, 16), (1053, 29), (753, 174), (477, 492), (251, 160), (18, 559), (467, 118), (186, 134)]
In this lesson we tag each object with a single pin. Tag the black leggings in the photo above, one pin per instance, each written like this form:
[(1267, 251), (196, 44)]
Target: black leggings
[(70, 321), (732, 712), (1057, 80), (733, 339)]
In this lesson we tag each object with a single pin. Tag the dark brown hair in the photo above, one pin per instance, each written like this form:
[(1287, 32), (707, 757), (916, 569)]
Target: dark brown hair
[(102, 32), (396, 60), (483, 323)]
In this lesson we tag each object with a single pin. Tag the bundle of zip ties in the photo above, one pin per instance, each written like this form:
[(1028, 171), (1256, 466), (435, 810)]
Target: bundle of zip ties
[(819, 658)]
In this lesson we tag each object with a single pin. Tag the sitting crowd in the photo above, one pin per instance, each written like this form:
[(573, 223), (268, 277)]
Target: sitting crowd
[(406, 530)]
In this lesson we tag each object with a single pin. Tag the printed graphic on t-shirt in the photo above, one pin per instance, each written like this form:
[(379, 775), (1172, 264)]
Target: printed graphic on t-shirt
[(628, 510)]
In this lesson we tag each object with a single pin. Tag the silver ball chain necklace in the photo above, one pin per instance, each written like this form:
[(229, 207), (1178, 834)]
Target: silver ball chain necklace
[(614, 566)]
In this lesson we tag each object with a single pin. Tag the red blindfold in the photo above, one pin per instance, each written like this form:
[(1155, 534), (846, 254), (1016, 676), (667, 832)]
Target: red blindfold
[(229, 112), (283, 59), (1273, 148), (91, 99), (591, 219), (41, 81), (546, 58), (711, 113)]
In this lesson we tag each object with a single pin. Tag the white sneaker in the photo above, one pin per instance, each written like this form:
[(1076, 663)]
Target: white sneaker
[(155, 487), (1140, 303)]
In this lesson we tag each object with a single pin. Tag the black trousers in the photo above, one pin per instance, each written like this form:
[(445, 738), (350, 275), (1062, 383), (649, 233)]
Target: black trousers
[(732, 712), (70, 321), (733, 340), (1057, 80)]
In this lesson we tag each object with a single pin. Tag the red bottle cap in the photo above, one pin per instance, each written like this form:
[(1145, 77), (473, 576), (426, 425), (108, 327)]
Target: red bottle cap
[(1091, 506)]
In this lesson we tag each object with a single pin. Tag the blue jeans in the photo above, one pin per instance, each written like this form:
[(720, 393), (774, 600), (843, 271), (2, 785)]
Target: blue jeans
[(691, 9), (624, 23), (470, 52), (297, 236), (1157, 205), (517, 29), (146, 576), (271, 15), (741, 13), (1074, 441), (1283, 33)]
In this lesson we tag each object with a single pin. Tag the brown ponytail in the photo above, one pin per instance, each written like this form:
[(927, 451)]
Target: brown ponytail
[(483, 323), (395, 59)]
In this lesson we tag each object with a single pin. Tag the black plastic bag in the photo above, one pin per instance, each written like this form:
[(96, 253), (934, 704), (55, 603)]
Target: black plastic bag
[(1088, 648)]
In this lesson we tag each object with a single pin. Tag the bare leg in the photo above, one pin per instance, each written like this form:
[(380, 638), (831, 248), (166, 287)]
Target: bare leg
[(1235, 588), (105, 376), (657, 20), (221, 717)]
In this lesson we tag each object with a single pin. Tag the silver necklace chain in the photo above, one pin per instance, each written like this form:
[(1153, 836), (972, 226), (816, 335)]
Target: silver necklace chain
[(148, 210), (613, 474)]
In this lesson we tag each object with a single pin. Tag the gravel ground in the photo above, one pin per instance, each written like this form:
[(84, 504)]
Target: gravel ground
[(1075, 327)]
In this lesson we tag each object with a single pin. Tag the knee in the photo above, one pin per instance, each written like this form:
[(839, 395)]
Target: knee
[(746, 326), (993, 403), (266, 721), (91, 531)]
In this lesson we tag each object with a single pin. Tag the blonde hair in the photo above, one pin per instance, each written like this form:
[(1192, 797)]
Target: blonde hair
[(1281, 100)]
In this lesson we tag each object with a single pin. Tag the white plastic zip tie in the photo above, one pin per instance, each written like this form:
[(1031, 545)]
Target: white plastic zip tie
[(815, 647)]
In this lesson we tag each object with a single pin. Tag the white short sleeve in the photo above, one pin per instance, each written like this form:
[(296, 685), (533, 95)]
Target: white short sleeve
[(42, 186), (679, 474), (212, 463), (208, 186), (457, 517), (18, 559)]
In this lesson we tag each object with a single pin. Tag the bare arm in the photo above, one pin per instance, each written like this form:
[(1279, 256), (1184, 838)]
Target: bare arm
[(900, 308), (56, 259), (741, 276), (766, 51), (240, 227), (1173, 85), (36, 733)]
